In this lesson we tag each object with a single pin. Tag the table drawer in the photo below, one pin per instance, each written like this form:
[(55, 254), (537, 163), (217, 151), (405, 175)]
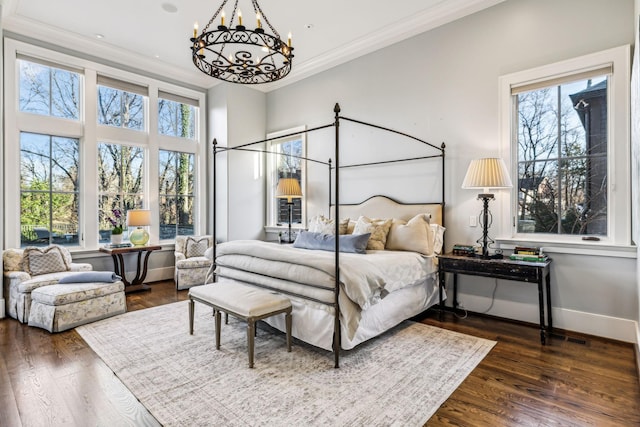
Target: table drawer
[(494, 268)]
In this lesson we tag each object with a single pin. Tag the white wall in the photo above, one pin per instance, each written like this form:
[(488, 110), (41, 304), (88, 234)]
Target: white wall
[(237, 116), (443, 86)]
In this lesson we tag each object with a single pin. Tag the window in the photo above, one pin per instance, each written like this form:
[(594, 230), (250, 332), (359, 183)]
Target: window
[(287, 163), (121, 104), (49, 193), (176, 116), (568, 148), (120, 182), (90, 138), (177, 196), (562, 158), (49, 91)]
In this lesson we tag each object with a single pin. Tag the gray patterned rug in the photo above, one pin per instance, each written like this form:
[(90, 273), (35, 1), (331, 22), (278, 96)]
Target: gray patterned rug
[(398, 379)]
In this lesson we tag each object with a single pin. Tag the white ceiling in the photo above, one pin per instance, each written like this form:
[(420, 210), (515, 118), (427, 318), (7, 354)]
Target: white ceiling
[(142, 34)]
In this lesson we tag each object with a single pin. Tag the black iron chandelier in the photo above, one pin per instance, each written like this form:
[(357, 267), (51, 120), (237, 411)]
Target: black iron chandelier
[(238, 54)]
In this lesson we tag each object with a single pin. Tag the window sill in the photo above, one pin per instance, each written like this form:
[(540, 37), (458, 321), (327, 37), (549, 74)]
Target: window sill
[(573, 248)]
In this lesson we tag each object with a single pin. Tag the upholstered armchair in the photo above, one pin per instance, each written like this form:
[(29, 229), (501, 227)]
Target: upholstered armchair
[(191, 263), (31, 268)]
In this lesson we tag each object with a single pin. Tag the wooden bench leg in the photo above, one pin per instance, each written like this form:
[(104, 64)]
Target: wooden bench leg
[(218, 324), (251, 330), (287, 319), (191, 308)]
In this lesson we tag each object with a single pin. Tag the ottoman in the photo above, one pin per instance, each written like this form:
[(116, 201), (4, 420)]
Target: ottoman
[(245, 302), (60, 307)]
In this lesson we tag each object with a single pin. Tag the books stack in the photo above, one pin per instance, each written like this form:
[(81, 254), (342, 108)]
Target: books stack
[(463, 250), (530, 254), (118, 245)]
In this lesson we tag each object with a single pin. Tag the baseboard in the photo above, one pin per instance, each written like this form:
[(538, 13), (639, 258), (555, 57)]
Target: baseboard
[(637, 348), (570, 320), (2, 315)]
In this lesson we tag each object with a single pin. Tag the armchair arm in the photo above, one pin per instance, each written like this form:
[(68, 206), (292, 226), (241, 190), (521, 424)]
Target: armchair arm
[(80, 266), (17, 276), (179, 256)]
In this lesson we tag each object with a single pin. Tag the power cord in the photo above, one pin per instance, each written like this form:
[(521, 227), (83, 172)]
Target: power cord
[(466, 313)]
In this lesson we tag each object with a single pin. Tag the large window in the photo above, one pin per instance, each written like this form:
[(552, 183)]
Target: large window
[(567, 132), (285, 161), (562, 158), (49, 193), (85, 138), (120, 182), (176, 188)]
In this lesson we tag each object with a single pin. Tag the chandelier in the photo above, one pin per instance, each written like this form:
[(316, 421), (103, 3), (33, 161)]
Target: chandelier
[(238, 54)]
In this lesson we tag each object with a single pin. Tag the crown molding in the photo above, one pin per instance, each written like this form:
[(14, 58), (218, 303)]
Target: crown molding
[(102, 52), (436, 16)]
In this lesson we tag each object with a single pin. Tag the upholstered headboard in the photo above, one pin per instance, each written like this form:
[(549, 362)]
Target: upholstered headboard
[(385, 207)]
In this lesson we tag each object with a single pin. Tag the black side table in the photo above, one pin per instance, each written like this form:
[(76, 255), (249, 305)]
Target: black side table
[(521, 271), (137, 284)]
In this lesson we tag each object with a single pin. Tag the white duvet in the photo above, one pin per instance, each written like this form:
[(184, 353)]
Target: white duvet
[(365, 278)]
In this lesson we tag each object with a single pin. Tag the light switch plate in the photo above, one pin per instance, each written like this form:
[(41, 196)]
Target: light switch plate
[(473, 221)]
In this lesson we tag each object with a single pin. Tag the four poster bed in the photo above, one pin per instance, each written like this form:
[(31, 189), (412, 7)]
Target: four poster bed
[(343, 293)]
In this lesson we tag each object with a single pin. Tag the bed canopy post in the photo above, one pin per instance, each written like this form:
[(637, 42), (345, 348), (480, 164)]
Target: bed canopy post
[(336, 320), (215, 225), (329, 164), (442, 147)]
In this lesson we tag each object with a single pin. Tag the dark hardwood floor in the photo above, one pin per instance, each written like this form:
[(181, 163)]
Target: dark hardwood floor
[(57, 380)]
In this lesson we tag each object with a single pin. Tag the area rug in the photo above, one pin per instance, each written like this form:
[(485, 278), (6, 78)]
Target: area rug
[(398, 379)]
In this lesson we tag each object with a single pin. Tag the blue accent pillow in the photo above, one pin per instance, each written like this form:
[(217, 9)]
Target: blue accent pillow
[(353, 243)]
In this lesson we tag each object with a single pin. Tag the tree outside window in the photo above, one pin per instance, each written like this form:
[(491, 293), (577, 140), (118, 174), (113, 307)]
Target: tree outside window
[(49, 193), (120, 182), (176, 119), (120, 108), (49, 91), (562, 158), (177, 197)]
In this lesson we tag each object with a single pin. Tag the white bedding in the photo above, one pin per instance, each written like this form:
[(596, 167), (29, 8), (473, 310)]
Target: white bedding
[(370, 283)]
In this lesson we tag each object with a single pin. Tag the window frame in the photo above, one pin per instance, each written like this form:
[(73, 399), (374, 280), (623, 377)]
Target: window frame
[(618, 196), (90, 134), (276, 138)]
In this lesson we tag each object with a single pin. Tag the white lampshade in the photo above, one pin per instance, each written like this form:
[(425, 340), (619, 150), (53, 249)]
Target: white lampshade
[(288, 188), (487, 173), (138, 217)]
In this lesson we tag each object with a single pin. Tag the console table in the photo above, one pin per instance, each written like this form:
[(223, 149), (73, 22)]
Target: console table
[(521, 271), (137, 284)]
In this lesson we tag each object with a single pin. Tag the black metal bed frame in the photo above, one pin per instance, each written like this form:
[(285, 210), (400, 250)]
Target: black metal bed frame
[(332, 186)]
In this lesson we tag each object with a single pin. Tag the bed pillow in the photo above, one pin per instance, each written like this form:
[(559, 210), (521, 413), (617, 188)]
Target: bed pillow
[(196, 247), (322, 224), (438, 237), (38, 261), (327, 242), (416, 235), (378, 228)]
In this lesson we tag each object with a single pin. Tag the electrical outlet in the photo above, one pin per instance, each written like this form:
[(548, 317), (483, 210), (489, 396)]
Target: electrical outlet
[(473, 221)]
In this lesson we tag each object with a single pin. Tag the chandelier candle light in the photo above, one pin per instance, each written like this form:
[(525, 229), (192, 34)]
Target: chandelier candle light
[(485, 174), (238, 54), (139, 218)]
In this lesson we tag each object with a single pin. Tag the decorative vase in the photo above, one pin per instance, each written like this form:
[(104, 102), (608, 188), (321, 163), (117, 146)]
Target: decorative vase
[(139, 236), (116, 239)]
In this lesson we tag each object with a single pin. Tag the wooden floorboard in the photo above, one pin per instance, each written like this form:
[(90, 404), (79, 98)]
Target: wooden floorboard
[(56, 379)]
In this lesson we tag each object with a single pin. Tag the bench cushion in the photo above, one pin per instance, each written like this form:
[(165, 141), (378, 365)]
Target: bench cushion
[(244, 300), (70, 293)]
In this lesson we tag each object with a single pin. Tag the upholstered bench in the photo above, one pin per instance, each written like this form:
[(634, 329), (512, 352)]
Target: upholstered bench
[(60, 307), (244, 302)]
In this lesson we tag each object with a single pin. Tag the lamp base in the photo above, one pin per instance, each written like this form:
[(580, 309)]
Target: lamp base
[(139, 237)]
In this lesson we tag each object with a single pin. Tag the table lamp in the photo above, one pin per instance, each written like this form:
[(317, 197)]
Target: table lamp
[(485, 174), (289, 188), (139, 218)]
